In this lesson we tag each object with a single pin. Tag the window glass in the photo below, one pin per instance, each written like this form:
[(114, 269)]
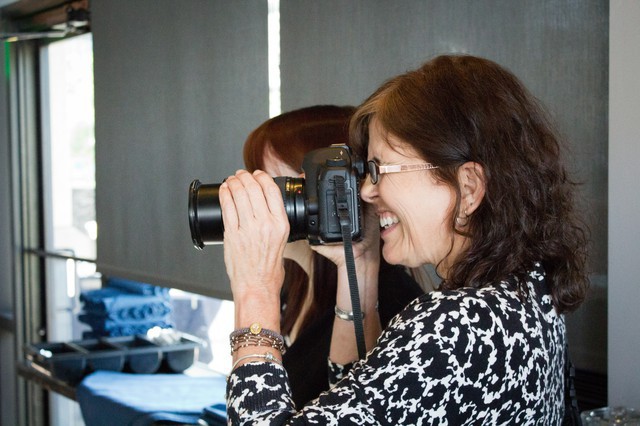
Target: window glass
[(68, 181), (71, 147)]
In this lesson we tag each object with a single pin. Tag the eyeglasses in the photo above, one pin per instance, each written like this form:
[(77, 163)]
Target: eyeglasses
[(375, 170)]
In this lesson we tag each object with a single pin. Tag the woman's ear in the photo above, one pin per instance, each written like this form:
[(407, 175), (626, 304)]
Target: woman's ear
[(472, 186)]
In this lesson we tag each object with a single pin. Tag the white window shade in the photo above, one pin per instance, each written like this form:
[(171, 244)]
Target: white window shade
[(178, 87)]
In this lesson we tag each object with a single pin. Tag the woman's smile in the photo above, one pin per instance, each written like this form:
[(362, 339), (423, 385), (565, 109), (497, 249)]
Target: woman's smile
[(387, 223)]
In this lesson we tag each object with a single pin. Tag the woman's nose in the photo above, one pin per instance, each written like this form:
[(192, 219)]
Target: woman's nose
[(368, 190)]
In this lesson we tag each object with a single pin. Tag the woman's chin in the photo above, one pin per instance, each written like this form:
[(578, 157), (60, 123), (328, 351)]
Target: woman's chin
[(389, 256)]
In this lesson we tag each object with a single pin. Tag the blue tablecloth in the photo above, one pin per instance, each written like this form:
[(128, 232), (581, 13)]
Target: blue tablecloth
[(110, 398)]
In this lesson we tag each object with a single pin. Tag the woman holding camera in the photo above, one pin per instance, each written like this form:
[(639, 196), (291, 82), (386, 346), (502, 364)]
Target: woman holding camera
[(278, 146), (464, 174)]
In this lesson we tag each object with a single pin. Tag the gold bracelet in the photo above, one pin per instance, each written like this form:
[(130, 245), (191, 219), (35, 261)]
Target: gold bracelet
[(267, 357), (244, 341)]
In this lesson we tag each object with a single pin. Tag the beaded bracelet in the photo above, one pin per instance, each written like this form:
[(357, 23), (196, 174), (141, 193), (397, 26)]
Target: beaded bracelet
[(255, 335), (256, 329)]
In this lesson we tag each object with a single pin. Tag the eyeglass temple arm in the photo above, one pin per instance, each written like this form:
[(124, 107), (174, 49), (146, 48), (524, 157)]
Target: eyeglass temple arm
[(405, 168)]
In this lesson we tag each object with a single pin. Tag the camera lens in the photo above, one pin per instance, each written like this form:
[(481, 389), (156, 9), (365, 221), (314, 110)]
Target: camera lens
[(205, 213), (293, 196)]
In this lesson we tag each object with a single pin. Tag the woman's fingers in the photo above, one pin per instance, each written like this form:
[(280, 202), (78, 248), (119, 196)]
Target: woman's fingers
[(228, 207), (256, 227), (255, 197), (272, 193)]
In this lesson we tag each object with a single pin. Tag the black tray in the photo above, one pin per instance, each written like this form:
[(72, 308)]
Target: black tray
[(71, 361)]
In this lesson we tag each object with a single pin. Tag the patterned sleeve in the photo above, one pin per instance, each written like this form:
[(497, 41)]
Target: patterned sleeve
[(259, 392), (337, 372)]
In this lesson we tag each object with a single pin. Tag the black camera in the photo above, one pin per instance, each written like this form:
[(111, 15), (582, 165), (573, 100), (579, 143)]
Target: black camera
[(311, 203)]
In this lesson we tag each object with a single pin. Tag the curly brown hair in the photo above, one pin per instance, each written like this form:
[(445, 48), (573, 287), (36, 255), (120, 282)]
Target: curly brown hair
[(459, 108)]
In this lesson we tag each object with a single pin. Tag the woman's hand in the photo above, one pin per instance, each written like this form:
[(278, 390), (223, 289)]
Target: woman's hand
[(256, 229), (366, 249)]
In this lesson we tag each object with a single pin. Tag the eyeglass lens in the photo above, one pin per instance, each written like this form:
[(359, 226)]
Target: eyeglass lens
[(373, 171)]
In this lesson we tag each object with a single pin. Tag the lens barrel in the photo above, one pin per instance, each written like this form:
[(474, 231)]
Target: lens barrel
[(293, 196), (205, 213)]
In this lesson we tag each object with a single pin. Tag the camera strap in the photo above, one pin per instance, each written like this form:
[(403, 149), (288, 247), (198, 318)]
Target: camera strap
[(342, 207)]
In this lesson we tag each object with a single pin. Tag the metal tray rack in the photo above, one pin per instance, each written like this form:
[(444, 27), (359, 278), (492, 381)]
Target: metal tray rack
[(71, 361)]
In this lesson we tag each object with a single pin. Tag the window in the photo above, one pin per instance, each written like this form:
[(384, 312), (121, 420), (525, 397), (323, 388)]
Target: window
[(68, 188), (68, 178)]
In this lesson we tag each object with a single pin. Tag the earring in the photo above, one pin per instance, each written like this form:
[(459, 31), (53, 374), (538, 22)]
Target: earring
[(463, 221)]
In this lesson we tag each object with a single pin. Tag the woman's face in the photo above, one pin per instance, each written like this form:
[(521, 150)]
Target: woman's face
[(414, 209)]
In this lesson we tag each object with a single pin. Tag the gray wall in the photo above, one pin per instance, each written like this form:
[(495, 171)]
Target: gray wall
[(624, 202)]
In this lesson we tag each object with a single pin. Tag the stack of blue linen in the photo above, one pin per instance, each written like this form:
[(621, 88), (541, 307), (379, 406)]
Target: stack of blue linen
[(125, 308)]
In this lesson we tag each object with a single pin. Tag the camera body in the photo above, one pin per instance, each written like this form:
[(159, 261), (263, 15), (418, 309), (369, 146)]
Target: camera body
[(310, 202), (321, 167)]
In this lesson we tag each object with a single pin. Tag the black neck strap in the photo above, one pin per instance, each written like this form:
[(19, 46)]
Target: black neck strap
[(342, 207)]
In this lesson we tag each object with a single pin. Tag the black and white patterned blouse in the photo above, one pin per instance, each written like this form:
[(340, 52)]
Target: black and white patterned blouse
[(471, 356)]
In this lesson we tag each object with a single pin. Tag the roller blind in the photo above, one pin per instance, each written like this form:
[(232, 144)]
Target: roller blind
[(178, 86), (338, 51)]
